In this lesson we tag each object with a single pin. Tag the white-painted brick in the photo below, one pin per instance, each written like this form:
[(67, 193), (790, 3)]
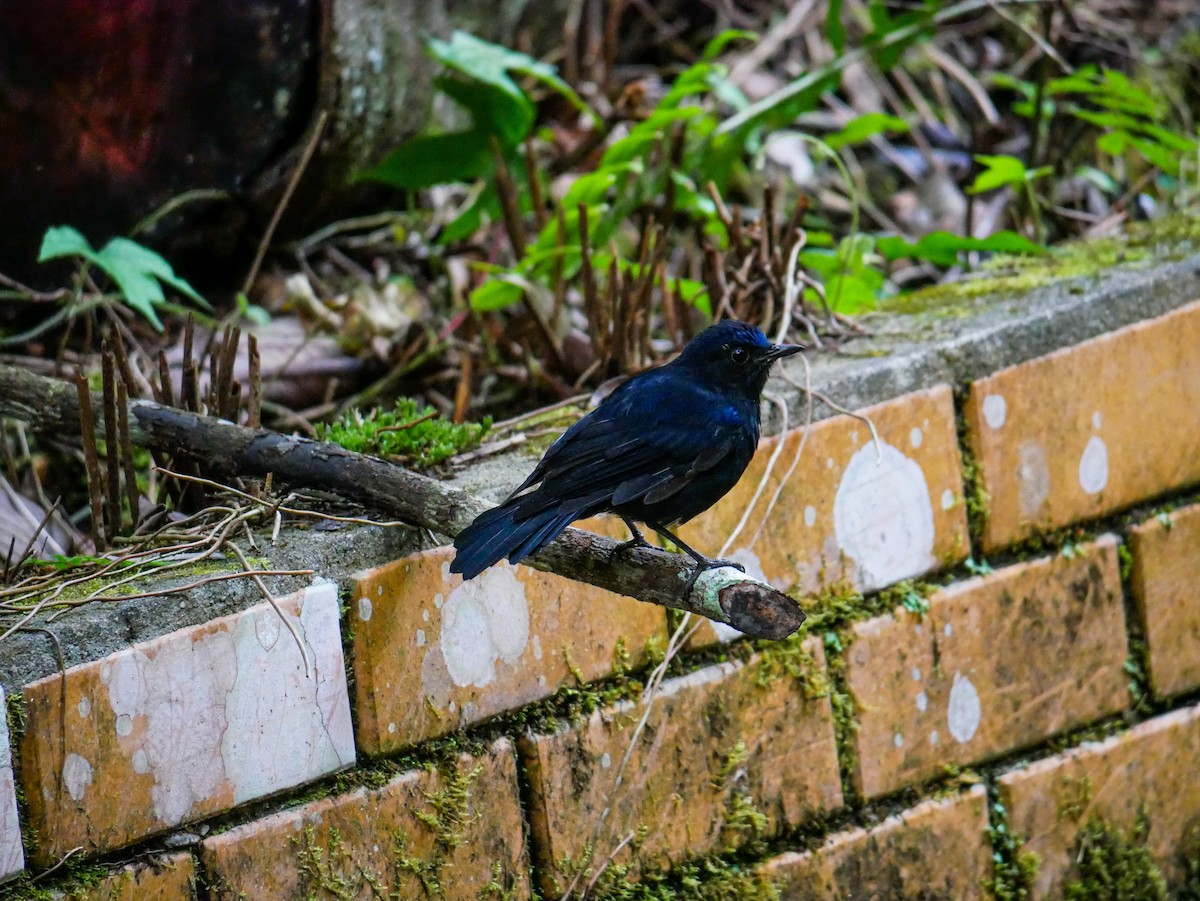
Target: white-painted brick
[(12, 856), (189, 724)]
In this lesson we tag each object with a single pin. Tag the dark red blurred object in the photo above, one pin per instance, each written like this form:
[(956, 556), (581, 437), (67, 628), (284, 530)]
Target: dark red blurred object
[(110, 108)]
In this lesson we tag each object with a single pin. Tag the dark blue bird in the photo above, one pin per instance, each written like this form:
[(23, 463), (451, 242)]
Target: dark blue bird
[(663, 447)]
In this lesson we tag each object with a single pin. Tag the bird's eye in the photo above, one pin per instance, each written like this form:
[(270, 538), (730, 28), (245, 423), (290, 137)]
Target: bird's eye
[(739, 355)]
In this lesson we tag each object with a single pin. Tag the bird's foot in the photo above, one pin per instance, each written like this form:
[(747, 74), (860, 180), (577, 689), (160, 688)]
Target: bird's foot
[(705, 564), (632, 544)]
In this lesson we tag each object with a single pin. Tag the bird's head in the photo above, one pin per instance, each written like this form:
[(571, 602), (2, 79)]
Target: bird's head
[(734, 353)]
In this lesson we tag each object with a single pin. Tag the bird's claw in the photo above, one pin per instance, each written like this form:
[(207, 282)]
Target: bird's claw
[(632, 544)]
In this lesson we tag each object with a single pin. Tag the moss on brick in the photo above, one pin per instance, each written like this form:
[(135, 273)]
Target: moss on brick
[(1189, 857), (1114, 865)]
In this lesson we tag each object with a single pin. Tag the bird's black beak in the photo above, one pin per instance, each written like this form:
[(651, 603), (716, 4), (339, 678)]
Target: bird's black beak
[(778, 351)]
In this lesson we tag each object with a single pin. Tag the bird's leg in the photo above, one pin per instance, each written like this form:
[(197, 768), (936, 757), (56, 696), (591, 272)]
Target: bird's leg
[(638, 539), (702, 563)]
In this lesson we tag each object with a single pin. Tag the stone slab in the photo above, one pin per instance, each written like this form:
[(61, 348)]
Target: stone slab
[(1089, 429), (12, 852), (849, 509), (186, 725), (450, 833), (716, 741), (433, 653), (168, 877), (1000, 662), (1166, 591), (936, 850), (1151, 769)]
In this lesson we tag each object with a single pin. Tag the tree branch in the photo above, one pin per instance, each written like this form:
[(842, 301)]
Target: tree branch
[(647, 574)]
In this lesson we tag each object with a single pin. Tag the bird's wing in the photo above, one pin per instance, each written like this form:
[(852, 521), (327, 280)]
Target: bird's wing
[(647, 441)]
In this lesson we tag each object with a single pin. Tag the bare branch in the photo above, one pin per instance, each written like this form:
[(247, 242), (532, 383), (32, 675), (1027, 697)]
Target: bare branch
[(647, 574)]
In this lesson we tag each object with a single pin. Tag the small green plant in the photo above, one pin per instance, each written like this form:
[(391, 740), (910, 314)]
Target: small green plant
[(138, 272), (1114, 865), (418, 436), (1013, 869)]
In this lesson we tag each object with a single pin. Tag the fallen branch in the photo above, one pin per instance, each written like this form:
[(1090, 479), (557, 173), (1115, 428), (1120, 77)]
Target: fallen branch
[(725, 595)]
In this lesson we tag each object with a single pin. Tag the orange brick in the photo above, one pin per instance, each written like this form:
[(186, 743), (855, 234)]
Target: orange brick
[(185, 725), (714, 740), (12, 853), (850, 510), (998, 663), (1089, 429), (433, 653), (938, 849), (1152, 767), (1166, 587), (170, 877), (459, 829)]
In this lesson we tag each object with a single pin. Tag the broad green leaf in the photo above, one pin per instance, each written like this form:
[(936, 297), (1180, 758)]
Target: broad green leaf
[(435, 159), (495, 294), (1157, 154), (491, 63), (1113, 142), (138, 272), (942, 248), (129, 255), (64, 241), (494, 112), (850, 293), (858, 130), (999, 171)]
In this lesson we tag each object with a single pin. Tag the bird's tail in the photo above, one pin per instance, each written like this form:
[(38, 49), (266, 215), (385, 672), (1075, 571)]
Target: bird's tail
[(506, 531)]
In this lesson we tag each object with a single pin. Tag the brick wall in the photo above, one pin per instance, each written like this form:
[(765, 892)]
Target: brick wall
[(998, 686)]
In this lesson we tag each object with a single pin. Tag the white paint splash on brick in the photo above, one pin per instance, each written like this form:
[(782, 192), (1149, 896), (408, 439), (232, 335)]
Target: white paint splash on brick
[(1093, 466), (995, 410), (230, 711), (1034, 477), (883, 517), (915, 437), (364, 609), (484, 620), (947, 499), (12, 856), (963, 712), (77, 776), (286, 727)]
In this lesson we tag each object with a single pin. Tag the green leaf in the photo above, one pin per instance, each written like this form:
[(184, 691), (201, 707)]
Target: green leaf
[(435, 159), (858, 130), (64, 241), (717, 45), (942, 248), (491, 63), (494, 112), (999, 171), (495, 294), (138, 272), (834, 29)]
